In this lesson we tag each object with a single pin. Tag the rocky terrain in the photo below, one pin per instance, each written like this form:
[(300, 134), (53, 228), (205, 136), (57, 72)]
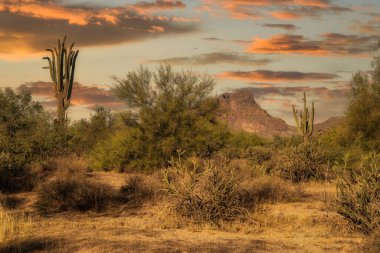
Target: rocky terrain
[(240, 110)]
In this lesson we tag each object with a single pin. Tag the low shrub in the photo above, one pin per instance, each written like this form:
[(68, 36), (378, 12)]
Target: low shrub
[(266, 189), (74, 194), (204, 193), (136, 189), (301, 163), (359, 193)]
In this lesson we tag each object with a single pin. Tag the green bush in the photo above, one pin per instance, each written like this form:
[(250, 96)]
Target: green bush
[(359, 193), (172, 112), (363, 112), (25, 136), (242, 145)]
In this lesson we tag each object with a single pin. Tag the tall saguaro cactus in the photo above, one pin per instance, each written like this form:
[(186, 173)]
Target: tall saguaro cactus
[(62, 68), (305, 120)]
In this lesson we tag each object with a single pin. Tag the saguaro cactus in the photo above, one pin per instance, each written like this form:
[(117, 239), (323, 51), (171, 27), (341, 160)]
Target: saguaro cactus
[(62, 68), (305, 120)]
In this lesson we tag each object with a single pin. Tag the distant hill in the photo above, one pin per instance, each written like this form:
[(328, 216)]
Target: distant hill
[(331, 122), (241, 112)]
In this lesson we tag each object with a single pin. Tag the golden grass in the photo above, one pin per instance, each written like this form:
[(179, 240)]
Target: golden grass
[(13, 227)]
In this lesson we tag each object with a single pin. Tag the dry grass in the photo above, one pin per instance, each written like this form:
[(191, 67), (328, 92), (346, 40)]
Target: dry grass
[(305, 224), (14, 227)]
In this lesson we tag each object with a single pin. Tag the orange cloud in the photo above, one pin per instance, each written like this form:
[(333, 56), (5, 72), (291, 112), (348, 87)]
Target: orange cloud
[(30, 26), (286, 9), (276, 76), (82, 95), (286, 15), (330, 44)]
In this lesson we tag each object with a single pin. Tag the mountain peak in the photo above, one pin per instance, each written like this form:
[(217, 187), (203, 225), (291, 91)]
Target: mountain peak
[(240, 111)]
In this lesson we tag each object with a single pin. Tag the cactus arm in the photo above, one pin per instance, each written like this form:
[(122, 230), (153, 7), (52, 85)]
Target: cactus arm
[(311, 121), (296, 119)]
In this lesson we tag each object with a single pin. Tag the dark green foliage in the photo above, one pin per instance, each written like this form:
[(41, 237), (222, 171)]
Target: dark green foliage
[(85, 134), (74, 194), (242, 145), (359, 193), (172, 112), (363, 113), (25, 136)]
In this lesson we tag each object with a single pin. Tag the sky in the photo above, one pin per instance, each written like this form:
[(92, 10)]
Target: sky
[(277, 48)]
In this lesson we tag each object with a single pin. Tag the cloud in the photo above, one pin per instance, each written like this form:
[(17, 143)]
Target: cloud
[(87, 96), (215, 58), (213, 39), (30, 26), (280, 26), (290, 91), (329, 44), (276, 76), (279, 9)]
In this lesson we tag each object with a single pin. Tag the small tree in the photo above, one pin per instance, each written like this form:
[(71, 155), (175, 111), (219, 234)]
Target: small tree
[(62, 69), (305, 121), (173, 112), (363, 112)]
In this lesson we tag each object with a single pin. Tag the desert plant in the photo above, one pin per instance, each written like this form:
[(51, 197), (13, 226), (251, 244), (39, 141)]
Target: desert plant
[(62, 69), (74, 194), (136, 189), (266, 189), (301, 163), (359, 193), (305, 120), (173, 111), (363, 112), (203, 193)]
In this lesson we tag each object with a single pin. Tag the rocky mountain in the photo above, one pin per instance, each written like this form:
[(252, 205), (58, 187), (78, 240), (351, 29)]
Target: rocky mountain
[(240, 111)]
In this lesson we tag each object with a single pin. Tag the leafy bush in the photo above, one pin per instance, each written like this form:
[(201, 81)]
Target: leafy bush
[(363, 112), (74, 194), (242, 145), (359, 193), (172, 112), (204, 193), (301, 163)]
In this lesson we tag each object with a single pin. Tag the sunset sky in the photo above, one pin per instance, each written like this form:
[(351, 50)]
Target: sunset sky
[(279, 48)]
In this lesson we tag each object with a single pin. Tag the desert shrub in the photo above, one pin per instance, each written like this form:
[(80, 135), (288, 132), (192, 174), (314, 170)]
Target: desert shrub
[(25, 136), (286, 141), (203, 193), (86, 133), (242, 145), (266, 189), (74, 194), (123, 151), (301, 163), (137, 189), (173, 112), (13, 226), (359, 193)]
